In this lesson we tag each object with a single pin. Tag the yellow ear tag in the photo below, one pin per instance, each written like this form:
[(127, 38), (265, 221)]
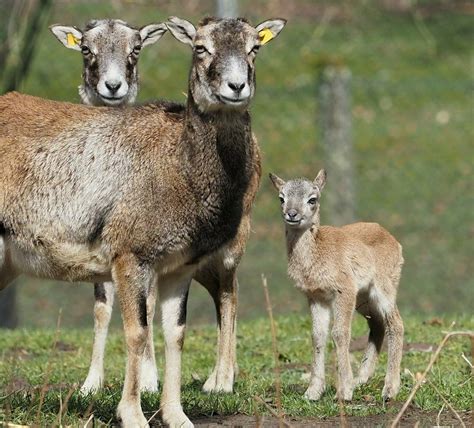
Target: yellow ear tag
[(72, 40), (265, 36)]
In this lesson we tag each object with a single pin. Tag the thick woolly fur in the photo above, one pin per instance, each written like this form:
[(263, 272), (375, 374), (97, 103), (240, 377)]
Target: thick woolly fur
[(342, 269), (139, 195)]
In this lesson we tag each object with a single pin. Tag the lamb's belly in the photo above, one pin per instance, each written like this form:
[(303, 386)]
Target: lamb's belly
[(63, 261)]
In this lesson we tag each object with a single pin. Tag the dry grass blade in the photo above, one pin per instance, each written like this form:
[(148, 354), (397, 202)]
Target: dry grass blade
[(89, 420), (446, 403), (275, 351), (280, 419), (422, 378), (48, 368)]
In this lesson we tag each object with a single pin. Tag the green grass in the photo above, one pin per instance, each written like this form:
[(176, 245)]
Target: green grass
[(29, 361)]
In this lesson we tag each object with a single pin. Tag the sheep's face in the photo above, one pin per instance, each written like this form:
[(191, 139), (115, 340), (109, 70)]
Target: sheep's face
[(110, 50), (224, 50), (299, 200)]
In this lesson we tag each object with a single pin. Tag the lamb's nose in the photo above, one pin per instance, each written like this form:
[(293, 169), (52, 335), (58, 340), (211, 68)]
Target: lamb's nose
[(113, 85), (236, 87), (292, 213)]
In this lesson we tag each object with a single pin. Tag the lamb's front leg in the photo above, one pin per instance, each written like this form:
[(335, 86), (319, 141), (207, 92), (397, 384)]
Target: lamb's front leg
[(133, 279), (321, 315), (343, 310), (104, 300), (173, 301)]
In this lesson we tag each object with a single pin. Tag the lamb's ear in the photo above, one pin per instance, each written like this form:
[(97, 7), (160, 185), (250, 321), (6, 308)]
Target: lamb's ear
[(69, 36), (183, 30), (152, 33), (320, 179), (268, 30), (277, 181)]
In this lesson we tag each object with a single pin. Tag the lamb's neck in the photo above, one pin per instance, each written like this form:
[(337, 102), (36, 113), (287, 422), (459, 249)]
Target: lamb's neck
[(300, 244)]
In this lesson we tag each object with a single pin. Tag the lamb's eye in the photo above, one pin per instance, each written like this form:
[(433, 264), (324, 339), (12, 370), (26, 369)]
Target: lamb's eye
[(85, 50), (200, 49), (312, 201), (137, 49), (282, 200)]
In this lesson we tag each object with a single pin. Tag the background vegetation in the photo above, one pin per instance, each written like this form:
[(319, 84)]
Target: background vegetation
[(412, 126)]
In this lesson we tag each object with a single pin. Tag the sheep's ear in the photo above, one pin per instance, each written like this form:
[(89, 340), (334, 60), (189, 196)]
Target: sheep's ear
[(277, 181), (183, 30), (152, 33), (69, 36), (320, 179), (268, 30)]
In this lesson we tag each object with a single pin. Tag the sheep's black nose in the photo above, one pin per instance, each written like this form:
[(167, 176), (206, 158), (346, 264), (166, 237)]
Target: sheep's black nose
[(236, 87)]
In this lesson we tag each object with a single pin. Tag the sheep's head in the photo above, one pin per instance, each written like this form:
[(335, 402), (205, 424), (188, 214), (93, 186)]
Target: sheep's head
[(110, 49), (224, 50), (299, 200)]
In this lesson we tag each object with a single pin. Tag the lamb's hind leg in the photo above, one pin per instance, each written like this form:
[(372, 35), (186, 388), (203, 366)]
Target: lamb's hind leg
[(343, 310), (104, 300), (394, 330), (221, 283), (374, 345)]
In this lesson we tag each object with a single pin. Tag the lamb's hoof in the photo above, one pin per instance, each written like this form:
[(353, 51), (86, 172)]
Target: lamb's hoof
[(390, 391), (314, 393), (91, 386), (131, 415), (361, 381), (174, 417), (223, 385), (344, 395)]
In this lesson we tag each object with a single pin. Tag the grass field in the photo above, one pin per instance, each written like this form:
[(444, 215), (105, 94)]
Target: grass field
[(412, 127), (52, 363)]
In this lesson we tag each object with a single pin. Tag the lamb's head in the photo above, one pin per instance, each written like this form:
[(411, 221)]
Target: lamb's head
[(223, 70), (300, 200), (110, 49)]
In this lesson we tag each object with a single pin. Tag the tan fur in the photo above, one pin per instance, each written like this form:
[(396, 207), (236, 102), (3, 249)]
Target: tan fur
[(342, 269)]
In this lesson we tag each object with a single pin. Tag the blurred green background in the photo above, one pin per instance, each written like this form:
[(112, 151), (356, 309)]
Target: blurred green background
[(412, 106)]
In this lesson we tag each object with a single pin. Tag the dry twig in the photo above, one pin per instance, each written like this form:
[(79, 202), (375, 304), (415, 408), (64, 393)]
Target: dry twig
[(422, 378)]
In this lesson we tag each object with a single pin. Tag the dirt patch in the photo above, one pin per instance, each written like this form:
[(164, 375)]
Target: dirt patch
[(411, 417)]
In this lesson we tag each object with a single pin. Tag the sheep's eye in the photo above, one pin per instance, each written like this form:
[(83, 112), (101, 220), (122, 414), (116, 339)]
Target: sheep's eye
[(282, 201), (200, 49), (255, 49), (137, 49), (312, 201), (85, 50)]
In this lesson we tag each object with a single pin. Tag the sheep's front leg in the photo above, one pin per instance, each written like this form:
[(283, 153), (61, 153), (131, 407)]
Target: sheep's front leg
[(321, 315), (133, 279), (104, 300), (343, 310), (225, 299), (149, 373), (173, 301)]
